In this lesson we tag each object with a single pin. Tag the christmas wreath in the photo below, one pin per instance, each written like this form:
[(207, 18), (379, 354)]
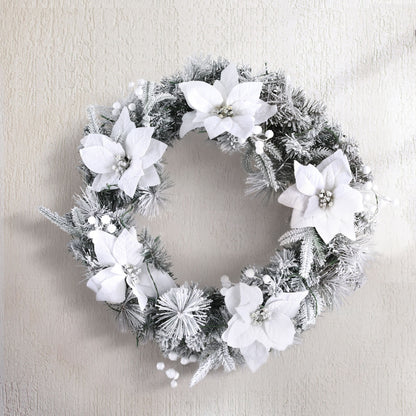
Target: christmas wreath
[(289, 149)]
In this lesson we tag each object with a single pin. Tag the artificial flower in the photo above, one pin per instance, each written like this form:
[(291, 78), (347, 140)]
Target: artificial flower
[(322, 197), (226, 106), (256, 328), (123, 261), (125, 159)]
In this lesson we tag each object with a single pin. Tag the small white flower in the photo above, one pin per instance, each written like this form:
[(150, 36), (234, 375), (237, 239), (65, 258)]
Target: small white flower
[(126, 159), (322, 198), (256, 328), (226, 106), (124, 263)]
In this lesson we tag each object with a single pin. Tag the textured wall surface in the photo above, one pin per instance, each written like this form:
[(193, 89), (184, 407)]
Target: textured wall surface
[(62, 353)]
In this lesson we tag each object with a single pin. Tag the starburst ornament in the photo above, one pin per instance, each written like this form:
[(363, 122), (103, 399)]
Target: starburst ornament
[(182, 311)]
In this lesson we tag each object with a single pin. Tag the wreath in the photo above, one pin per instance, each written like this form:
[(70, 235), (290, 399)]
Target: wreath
[(291, 153)]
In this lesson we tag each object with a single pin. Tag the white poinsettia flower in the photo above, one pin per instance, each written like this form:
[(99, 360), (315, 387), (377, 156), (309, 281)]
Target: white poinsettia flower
[(125, 159), (123, 257), (226, 106), (322, 198), (256, 328)]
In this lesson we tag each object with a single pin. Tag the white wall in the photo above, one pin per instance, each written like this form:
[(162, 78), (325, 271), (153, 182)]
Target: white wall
[(62, 352)]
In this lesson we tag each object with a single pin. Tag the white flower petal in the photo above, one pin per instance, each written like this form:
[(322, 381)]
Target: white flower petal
[(112, 290), (97, 159), (229, 77), (242, 126), (94, 283), (309, 180), (93, 139), (103, 247), (292, 198), (104, 180), (244, 297), (200, 117), (338, 155), (130, 178), (138, 292), (347, 228), (188, 124), (346, 201), (201, 96), (221, 88), (241, 108), (264, 112), (215, 125), (123, 125), (138, 141), (327, 226), (298, 220), (239, 334), (246, 91), (162, 279), (154, 153), (255, 355), (313, 207), (127, 250), (280, 330), (150, 178), (335, 174), (146, 284), (287, 303)]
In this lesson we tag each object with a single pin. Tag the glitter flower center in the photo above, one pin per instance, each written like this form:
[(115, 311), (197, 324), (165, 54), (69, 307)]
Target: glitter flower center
[(326, 199), (260, 315), (132, 272), (121, 164), (225, 111)]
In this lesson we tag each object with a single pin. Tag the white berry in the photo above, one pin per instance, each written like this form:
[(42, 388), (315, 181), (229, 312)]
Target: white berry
[(269, 134), (116, 105), (160, 366), (92, 220), (267, 279), (366, 170), (105, 219), (225, 281), (173, 356), (250, 273), (184, 361), (111, 228), (174, 384), (257, 130), (131, 106)]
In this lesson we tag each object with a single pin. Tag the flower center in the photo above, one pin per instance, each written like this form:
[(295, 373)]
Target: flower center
[(260, 315), (326, 199), (132, 272), (122, 163), (225, 111)]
